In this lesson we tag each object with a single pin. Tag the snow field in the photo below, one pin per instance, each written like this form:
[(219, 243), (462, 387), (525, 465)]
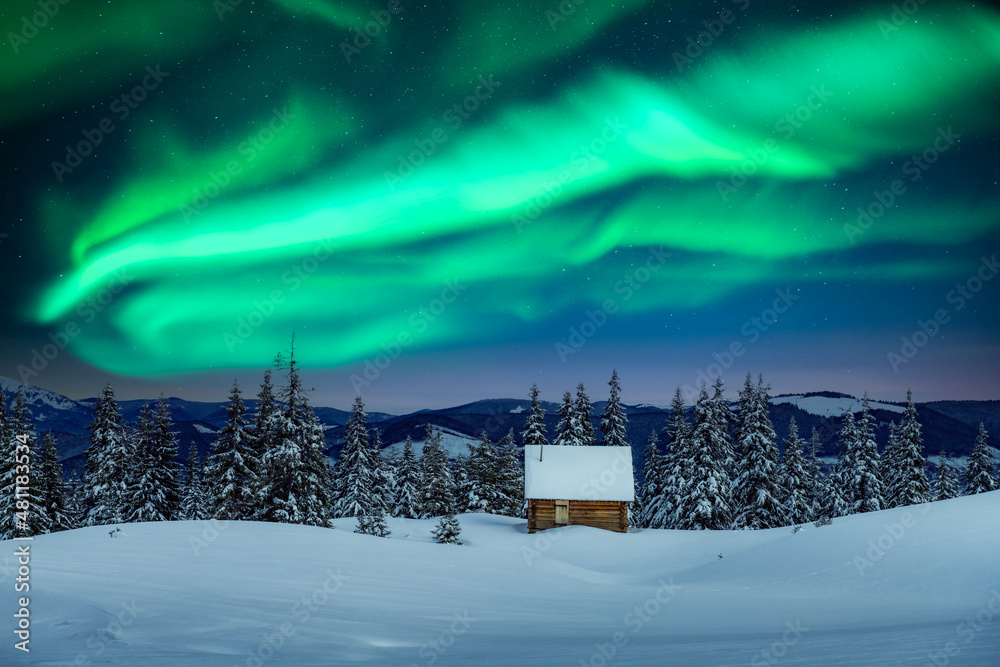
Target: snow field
[(911, 586)]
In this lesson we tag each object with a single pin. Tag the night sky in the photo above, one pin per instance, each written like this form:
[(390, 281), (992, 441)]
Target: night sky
[(476, 197)]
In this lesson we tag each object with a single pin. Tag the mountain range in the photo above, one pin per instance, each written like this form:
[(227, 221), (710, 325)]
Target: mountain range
[(950, 426)]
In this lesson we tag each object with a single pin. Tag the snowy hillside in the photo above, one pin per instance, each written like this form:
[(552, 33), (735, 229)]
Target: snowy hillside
[(824, 406), (912, 586), (453, 443)]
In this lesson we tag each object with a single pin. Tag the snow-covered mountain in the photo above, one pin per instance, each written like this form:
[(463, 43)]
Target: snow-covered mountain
[(948, 425), (911, 586)]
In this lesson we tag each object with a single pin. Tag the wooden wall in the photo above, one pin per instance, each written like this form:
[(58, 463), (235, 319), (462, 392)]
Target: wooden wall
[(609, 515)]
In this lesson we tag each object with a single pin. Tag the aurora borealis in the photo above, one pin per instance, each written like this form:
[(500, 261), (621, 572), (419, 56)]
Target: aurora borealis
[(484, 181)]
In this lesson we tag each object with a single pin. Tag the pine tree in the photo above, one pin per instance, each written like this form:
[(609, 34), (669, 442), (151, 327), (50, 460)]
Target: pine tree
[(263, 435), (8, 474), (706, 505), (294, 478), (447, 531), (405, 502), (534, 427), (757, 497), (55, 502), (230, 476), (582, 411), (145, 498), (108, 463), (466, 488), (437, 496), (913, 487), (164, 456), (814, 469), (796, 481), (75, 496), (979, 475), (382, 474), (355, 469), (891, 481), (946, 483), (566, 431), (510, 477), (614, 423), (677, 464), (862, 482), (24, 481), (194, 505), (652, 486)]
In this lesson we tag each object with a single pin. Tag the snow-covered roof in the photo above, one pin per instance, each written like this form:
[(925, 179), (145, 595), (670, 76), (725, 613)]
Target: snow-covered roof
[(578, 473)]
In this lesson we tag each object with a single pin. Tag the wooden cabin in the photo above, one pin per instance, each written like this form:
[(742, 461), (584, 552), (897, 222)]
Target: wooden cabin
[(578, 486)]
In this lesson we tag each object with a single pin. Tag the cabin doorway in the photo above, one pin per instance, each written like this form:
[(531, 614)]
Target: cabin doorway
[(562, 512)]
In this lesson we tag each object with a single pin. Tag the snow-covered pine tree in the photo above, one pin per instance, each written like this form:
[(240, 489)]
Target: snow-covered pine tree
[(108, 463), (582, 410), (946, 483), (913, 488), (706, 505), (448, 529), (652, 486), (814, 470), (614, 423), (466, 487), (534, 427), (194, 504), (635, 508), (8, 474), (844, 471), (230, 474), (382, 474), (164, 454), (510, 476), (677, 464), (262, 436), (75, 496), (373, 523), (862, 482), (756, 494), (55, 502), (294, 478), (405, 502), (979, 475), (566, 430), (33, 493), (437, 497), (891, 480), (145, 498), (796, 483), (354, 469)]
